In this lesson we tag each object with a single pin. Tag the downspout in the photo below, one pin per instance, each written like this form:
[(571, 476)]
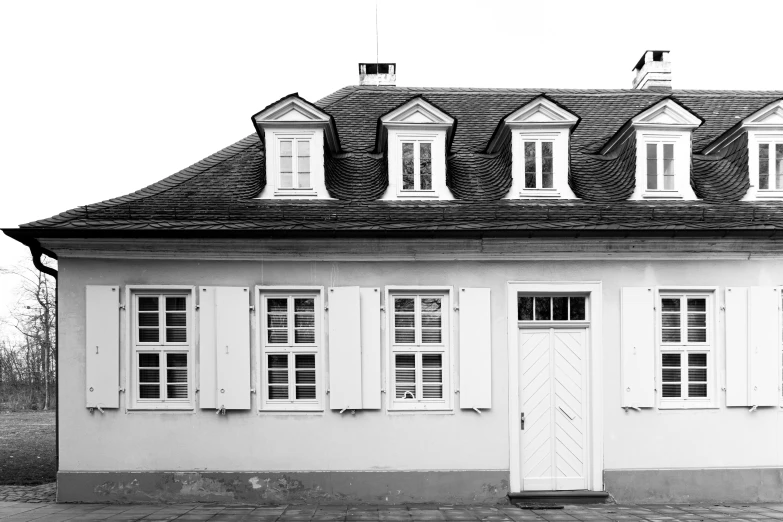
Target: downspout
[(37, 252)]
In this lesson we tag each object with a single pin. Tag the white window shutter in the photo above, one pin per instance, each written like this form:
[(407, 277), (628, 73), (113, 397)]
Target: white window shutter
[(232, 347), (370, 299), (764, 346), (102, 346), (207, 370), (475, 348), (737, 347), (637, 351), (345, 352)]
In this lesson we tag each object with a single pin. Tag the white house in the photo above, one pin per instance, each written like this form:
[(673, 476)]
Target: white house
[(424, 294)]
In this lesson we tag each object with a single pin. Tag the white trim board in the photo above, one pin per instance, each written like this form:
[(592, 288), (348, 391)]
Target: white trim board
[(595, 374)]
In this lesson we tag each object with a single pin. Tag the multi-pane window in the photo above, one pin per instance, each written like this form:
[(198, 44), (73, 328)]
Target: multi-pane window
[(539, 166), (660, 166), (294, 163), (770, 166), (420, 352), (290, 348), (685, 346), (416, 165), (551, 308), (162, 349)]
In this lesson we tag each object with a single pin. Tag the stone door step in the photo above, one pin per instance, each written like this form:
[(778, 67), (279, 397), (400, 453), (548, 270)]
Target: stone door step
[(559, 498)]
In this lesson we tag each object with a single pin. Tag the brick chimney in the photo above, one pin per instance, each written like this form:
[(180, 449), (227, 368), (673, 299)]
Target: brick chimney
[(654, 71), (377, 73)]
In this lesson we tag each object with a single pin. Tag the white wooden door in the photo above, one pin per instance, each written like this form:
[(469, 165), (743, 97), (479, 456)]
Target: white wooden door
[(553, 404)]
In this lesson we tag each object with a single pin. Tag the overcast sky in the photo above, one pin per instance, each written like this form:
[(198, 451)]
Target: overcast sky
[(101, 98)]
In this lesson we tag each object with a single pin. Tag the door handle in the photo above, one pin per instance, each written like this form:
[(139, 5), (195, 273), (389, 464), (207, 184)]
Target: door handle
[(564, 413), (522, 421)]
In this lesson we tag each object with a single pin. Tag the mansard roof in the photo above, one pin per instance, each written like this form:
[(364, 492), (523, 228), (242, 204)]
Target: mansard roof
[(218, 192)]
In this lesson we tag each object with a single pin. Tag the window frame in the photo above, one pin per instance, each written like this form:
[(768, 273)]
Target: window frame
[(421, 406), (434, 138), (281, 135), (710, 347), (266, 405), (560, 139), (135, 347), (755, 140), (660, 141)]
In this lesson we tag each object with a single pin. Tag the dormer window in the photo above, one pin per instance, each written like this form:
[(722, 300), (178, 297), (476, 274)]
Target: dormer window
[(771, 165), (294, 133), (540, 134), (415, 137), (663, 150)]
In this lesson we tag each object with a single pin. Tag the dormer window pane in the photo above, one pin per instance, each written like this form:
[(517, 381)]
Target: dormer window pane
[(425, 167), (668, 166), (652, 166), (286, 164), (764, 166), (530, 164), (779, 165), (303, 163), (407, 166), (546, 164)]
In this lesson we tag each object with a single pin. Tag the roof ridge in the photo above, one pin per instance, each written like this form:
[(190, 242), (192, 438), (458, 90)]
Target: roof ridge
[(159, 187), (587, 91)]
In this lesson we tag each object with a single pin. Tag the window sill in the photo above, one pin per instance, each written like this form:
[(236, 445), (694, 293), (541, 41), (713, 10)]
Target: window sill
[(539, 194), (769, 194), (417, 194), (419, 411), (267, 411), (161, 408), (687, 405), (295, 193), (275, 408), (662, 194)]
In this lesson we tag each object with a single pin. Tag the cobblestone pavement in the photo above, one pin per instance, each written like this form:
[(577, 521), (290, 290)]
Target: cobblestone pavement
[(51, 512), (42, 493)]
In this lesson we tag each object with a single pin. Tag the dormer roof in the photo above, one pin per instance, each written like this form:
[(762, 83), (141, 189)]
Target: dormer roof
[(416, 112), (293, 111), (768, 117), (541, 111)]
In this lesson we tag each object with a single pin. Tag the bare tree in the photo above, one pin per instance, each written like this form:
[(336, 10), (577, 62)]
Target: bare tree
[(27, 364)]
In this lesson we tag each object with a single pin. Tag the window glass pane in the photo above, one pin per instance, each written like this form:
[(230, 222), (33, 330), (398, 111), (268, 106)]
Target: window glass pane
[(697, 374), (432, 375), (177, 391), (304, 321), (405, 376), (697, 390), (305, 376), (277, 376), (177, 360), (177, 319), (652, 166), (303, 178), (672, 390), (671, 374), (278, 392), (404, 321), (670, 305), (149, 391), (404, 336), (177, 376), (425, 166), (670, 320), (304, 336), (147, 319), (764, 166), (149, 360), (149, 375), (430, 304), (277, 321), (560, 308), (525, 308), (277, 305), (405, 304), (779, 166), (407, 166), (304, 304), (578, 308), (148, 304), (670, 335), (149, 335), (430, 336), (697, 305), (546, 164), (697, 359), (670, 360), (530, 164), (277, 336), (176, 335), (543, 310), (286, 164), (431, 320), (303, 164), (175, 304), (668, 166)]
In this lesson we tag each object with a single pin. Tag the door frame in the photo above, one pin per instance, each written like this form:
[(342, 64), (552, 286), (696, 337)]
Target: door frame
[(593, 368)]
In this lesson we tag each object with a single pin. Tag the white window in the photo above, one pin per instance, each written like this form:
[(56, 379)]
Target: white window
[(294, 164), (770, 165), (539, 165), (416, 164), (660, 166), (291, 374), (162, 357), (420, 352), (558, 308), (685, 350)]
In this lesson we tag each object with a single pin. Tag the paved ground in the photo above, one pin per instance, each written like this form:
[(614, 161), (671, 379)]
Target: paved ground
[(51, 512)]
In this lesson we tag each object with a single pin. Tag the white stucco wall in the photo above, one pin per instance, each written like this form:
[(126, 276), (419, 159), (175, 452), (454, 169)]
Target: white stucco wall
[(373, 440)]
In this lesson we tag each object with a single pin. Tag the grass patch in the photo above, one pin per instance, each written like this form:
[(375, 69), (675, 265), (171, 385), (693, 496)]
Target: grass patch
[(27, 447)]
